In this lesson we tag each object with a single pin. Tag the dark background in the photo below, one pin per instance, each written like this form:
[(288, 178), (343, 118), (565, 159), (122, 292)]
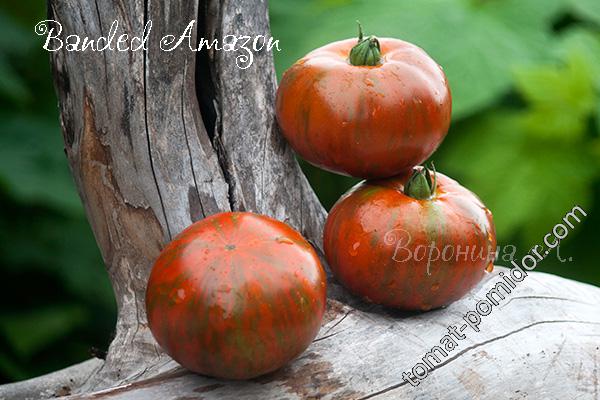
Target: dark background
[(525, 77)]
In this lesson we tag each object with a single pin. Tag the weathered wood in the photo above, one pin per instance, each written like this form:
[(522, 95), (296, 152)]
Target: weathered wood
[(157, 140), (55, 384), (541, 342), (144, 162)]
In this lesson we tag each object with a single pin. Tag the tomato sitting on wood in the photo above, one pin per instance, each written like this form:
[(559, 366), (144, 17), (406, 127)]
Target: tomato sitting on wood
[(412, 242), (371, 110), (236, 295)]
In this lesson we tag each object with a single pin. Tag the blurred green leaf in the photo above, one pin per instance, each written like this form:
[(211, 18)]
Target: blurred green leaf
[(545, 144), (516, 174), (29, 332), (588, 9), (329, 186), (586, 44), (33, 166), (11, 368), (14, 41), (597, 126), (11, 84), (561, 97), (13, 37), (523, 16), (61, 246), (478, 43), (552, 86)]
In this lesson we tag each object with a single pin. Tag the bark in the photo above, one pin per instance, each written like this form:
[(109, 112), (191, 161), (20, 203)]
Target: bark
[(157, 140), (541, 342)]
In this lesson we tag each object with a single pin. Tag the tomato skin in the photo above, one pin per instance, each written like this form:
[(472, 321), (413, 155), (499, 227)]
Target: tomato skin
[(236, 295), (376, 240), (363, 121)]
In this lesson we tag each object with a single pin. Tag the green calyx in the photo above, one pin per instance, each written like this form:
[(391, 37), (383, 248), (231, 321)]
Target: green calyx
[(367, 51), (422, 184)]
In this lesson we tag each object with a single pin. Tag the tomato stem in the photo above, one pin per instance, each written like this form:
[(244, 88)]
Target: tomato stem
[(367, 51), (422, 184), (360, 32)]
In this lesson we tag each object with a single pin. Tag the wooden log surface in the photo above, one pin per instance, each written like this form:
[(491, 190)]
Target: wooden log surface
[(541, 342), (156, 140)]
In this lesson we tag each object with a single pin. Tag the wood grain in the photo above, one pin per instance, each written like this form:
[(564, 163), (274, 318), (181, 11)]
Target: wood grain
[(156, 140), (541, 342)]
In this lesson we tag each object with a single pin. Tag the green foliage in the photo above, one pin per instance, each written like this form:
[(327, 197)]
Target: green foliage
[(33, 165), (547, 144), (472, 40), (58, 302), (14, 43), (30, 332), (586, 9), (525, 79)]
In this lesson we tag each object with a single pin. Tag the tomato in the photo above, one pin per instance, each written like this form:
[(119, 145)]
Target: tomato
[(236, 295), (373, 114), (412, 242)]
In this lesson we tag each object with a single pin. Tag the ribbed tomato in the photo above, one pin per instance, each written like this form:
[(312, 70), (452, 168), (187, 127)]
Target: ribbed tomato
[(410, 242), (236, 295), (372, 109)]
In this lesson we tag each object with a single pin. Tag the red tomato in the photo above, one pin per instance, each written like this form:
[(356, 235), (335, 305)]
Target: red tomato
[(236, 295), (406, 252), (372, 121)]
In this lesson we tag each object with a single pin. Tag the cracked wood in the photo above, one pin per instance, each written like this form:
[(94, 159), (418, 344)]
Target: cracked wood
[(157, 140)]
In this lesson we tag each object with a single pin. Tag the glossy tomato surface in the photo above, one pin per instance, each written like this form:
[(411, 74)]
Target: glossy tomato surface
[(394, 250), (236, 295), (365, 121)]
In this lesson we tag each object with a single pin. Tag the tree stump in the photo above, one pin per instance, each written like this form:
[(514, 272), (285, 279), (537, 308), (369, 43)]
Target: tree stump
[(157, 140)]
